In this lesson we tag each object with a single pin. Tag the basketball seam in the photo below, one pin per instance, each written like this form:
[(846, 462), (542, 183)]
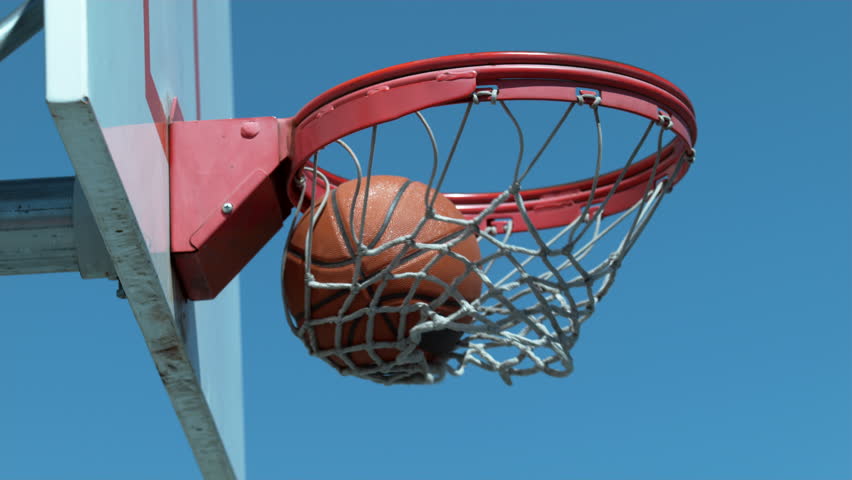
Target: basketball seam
[(391, 209), (338, 218), (336, 295), (405, 259), (450, 302)]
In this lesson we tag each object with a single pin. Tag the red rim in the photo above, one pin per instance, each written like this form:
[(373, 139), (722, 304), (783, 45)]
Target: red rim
[(397, 91), (488, 58)]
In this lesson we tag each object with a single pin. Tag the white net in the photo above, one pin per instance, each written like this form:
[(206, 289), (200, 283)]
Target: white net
[(538, 284)]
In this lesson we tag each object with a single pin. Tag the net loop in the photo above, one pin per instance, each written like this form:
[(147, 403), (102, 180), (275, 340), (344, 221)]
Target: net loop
[(489, 94), (585, 97)]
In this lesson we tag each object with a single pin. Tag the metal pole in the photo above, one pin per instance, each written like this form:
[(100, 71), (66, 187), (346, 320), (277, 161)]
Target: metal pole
[(20, 25), (46, 227)]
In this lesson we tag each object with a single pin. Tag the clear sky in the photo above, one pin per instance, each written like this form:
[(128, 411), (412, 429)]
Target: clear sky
[(723, 351)]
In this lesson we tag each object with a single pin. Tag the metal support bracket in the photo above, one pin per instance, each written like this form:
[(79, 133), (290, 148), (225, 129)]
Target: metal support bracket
[(93, 260), (46, 226), (227, 196)]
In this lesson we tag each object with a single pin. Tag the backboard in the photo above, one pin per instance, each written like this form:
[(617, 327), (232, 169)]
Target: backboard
[(117, 73)]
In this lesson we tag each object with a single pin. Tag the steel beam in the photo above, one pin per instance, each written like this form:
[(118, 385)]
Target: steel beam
[(46, 227)]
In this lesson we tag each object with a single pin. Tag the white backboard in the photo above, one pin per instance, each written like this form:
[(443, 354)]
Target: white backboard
[(115, 72)]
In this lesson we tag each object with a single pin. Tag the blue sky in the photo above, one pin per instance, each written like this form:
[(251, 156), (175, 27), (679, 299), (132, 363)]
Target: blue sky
[(723, 351)]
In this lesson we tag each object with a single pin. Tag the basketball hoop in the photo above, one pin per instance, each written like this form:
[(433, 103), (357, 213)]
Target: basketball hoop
[(550, 252)]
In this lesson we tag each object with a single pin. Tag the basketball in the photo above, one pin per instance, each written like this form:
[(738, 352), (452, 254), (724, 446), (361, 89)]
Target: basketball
[(395, 206)]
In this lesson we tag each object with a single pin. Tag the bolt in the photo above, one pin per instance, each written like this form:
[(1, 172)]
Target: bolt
[(249, 129), (227, 208)]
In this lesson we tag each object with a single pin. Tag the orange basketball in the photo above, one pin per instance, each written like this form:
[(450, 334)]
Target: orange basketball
[(395, 205)]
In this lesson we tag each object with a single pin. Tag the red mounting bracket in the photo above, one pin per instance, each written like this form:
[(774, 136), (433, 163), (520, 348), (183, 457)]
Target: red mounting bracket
[(228, 196)]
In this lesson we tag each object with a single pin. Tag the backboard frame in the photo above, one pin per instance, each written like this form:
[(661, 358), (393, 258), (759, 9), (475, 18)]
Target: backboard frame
[(124, 174)]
